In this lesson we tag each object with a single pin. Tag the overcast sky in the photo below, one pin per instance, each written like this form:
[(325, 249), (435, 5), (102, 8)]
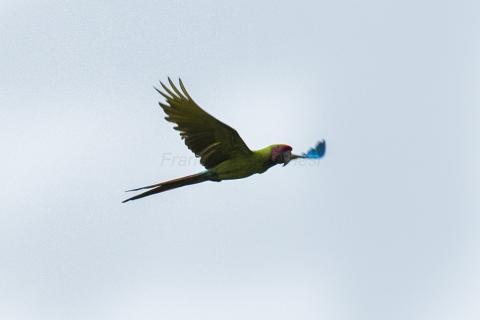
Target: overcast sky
[(384, 227)]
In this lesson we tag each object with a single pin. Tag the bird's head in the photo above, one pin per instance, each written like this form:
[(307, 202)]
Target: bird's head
[(281, 153)]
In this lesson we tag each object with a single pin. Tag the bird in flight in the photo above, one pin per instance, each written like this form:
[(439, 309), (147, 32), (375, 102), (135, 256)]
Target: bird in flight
[(222, 152)]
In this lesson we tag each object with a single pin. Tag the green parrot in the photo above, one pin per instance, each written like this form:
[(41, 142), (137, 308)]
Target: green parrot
[(220, 149)]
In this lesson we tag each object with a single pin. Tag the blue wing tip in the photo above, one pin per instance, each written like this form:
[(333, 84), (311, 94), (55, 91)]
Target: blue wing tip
[(317, 152)]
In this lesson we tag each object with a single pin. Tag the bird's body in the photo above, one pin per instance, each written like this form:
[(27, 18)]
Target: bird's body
[(244, 166), (221, 150)]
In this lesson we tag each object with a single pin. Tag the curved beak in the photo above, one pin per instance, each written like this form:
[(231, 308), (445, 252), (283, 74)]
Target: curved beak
[(287, 156)]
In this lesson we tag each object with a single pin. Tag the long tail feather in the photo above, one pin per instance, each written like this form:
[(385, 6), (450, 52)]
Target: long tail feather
[(146, 187), (169, 185)]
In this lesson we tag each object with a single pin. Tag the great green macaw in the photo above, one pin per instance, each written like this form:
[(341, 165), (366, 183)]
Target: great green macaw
[(220, 149)]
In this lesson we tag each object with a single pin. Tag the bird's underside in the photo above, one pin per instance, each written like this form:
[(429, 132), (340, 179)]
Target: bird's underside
[(220, 148)]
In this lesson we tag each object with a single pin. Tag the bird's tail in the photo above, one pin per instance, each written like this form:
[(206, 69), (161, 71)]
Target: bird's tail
[(171, 184)]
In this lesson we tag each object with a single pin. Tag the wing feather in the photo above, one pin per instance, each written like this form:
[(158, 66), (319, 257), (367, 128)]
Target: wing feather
[(208, 138)]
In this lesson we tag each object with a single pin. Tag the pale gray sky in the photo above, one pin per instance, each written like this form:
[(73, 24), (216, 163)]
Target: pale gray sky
[(384, 227)]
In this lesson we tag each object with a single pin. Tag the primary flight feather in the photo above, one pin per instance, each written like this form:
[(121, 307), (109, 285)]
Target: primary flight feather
[(220, 148)]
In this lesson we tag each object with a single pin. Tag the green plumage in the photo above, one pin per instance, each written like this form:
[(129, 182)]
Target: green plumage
[(220, 149), (210, 139), (243, 166)]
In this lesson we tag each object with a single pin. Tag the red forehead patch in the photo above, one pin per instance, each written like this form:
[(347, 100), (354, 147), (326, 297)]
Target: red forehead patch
[(285, 147)]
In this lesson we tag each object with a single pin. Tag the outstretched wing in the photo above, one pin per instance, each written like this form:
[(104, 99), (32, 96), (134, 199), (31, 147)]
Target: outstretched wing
[(314, 153), (210, 139)]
